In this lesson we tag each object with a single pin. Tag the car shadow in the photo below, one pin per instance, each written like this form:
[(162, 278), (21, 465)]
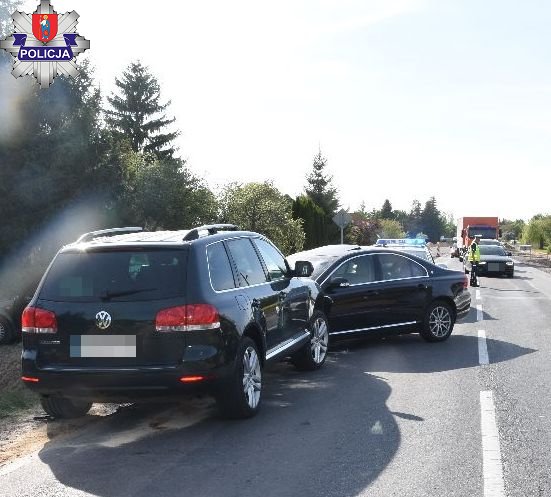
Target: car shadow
[(472, 316), (299, 443), (411, 354)]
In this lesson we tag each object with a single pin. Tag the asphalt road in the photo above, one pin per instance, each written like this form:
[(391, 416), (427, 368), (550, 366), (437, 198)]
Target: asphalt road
[(392, 417)]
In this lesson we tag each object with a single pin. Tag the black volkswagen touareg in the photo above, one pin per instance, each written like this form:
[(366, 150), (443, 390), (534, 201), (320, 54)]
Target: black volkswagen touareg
[(124, 314)]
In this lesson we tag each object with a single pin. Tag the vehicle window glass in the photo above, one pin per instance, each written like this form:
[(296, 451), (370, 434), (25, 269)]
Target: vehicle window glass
[(115, 276), (248, 264), (221, 275), (357, 270), (491, 250), (272, 258), (395, 267)]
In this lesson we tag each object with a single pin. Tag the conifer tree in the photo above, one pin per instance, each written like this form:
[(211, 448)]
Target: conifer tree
[(138, 114), (320, 188)]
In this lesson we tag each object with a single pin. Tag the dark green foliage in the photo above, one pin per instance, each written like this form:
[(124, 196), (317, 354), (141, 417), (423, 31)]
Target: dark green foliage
[(162, 194), (386, 210), (137, 113), (431, 221), (314, 221), (320, 188), (262, 208)]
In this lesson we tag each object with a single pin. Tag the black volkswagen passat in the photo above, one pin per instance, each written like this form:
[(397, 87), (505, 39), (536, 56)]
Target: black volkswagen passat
[(377, 289)]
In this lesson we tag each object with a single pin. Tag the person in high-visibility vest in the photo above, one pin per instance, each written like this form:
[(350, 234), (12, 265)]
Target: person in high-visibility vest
[(474, 259)]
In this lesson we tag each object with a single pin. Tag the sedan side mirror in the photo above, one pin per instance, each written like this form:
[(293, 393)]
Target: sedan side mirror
[(509, 254), (338, 282), (303, 268)]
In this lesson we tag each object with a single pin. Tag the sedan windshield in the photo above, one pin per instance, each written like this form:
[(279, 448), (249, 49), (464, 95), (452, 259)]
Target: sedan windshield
[(492, 250)]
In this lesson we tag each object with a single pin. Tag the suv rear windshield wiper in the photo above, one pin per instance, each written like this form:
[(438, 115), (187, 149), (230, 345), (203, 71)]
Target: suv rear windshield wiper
[(107, 295)]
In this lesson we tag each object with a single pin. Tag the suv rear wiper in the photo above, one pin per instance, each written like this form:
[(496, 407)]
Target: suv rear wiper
[(106, 295)]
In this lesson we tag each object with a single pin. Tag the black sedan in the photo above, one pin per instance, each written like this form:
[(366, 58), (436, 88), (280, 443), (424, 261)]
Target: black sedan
[(494, 260), (377, 289)]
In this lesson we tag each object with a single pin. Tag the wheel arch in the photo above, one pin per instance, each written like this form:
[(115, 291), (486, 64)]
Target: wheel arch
[(449, 301), (255, 334)]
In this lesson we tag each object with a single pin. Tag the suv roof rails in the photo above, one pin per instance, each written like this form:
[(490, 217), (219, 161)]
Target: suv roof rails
[(86, 237), (210, 228)]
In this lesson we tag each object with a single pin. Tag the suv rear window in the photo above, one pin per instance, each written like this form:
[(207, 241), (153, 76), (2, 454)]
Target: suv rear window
[(115, 276)]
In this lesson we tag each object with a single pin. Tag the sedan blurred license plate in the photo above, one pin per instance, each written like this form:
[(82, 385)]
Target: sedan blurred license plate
[(493, 266), (103, 346)]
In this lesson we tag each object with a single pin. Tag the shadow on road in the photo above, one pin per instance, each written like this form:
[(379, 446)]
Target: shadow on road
[(472, 316), (411, 354), (325, 433)]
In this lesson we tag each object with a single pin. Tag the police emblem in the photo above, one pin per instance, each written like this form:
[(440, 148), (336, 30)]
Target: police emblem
[(44, 44)]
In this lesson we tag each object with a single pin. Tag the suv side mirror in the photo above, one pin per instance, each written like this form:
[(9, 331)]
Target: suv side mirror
[(338, 282), (303, 268)]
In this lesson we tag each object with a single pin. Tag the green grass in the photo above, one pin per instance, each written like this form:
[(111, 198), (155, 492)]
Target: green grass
[(15, 401)]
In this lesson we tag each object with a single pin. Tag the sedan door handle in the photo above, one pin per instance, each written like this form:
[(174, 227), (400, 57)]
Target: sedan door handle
[(371, 293), (421, 286)]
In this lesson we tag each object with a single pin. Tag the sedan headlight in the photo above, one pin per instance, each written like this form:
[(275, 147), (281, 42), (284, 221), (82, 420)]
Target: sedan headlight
[(509, 263)]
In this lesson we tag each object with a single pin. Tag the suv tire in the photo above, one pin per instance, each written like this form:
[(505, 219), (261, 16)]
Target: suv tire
[(63, 408), (241, 393), (6, 332), (313, 354), (438, 322)]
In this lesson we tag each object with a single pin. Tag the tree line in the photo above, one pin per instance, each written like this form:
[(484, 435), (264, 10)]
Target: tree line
[(73, 161)]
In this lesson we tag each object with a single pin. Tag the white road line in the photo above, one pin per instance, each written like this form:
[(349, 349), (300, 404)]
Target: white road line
[(482, 348), (478, 297), (479, 315), (491, 452)]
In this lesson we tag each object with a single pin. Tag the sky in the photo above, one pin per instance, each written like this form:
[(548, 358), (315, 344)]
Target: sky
[(407, 99)]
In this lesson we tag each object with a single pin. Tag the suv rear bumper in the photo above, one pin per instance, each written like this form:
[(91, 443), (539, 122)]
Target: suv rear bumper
[(124, 384)]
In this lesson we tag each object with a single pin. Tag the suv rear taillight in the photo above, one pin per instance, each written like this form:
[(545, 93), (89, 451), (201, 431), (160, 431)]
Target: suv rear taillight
[(189, 317), (35, 320)]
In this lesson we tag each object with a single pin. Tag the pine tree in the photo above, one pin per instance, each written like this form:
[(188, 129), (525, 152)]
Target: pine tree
[(432, 220), (320, 188), (138, 114), (386, 210)]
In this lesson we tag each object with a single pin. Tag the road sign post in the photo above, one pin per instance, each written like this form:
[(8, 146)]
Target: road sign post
[(342, 219)]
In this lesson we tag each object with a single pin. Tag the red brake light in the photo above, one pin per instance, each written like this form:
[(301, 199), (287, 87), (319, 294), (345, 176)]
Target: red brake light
[(189, 317), (30, 379), (35, 320), (191, 379)]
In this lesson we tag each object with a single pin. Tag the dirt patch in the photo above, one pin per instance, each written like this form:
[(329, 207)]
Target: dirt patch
[(542, 262), (24, 427)]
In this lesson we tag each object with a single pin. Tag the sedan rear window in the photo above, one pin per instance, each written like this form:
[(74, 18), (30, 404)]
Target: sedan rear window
[(115, 276)]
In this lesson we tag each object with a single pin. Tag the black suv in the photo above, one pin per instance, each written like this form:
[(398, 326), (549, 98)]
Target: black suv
[(124, 313)]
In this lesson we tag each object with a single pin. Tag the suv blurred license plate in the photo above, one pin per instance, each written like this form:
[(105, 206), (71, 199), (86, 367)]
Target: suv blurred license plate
[(103, 346)]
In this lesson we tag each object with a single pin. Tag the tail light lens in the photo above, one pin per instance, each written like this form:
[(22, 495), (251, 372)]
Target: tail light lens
[(191, 317), (465, 281), (35, 320)]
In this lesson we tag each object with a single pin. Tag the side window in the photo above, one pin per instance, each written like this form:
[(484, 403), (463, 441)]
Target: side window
[(357, 270), (248, 264), (272, 258), (221, 275), (394, 267)]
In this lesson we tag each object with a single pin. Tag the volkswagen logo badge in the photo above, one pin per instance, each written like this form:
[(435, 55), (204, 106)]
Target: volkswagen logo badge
[(103, 320)]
